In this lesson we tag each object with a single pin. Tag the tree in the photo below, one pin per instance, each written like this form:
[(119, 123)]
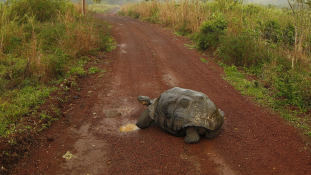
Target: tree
[(83, 7)]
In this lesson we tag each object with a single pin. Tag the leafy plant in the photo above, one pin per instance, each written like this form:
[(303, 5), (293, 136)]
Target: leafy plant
[(244, 50), (211, 31), (94, 70)]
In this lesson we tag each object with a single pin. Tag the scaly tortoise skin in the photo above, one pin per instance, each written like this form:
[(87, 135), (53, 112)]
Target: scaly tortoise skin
[(182, 112)]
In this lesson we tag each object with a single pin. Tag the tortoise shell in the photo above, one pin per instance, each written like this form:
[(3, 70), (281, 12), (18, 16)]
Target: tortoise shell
[(179, 108)]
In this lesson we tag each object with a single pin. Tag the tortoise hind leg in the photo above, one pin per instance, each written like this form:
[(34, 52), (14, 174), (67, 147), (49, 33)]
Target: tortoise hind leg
[(192, 135), (210, 134), (144, 120)]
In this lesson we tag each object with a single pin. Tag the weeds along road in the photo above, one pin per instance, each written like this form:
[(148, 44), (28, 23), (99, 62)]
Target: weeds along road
[(149, 60)]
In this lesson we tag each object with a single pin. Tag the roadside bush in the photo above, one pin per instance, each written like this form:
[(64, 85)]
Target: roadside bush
[(183, 29), (41, 10), (49, 36), (133, 14), (121, 13), (211, 31), (243, 50), (253, 10), (272, 30), (293, 88), (289, 34)]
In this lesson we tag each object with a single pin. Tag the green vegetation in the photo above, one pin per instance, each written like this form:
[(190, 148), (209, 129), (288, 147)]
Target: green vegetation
[(41, 44), (273, 44), (102, 7), (94, 70), (265, 97)]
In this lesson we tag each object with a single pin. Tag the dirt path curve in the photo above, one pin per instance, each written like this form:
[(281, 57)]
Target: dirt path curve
[(147, 61)]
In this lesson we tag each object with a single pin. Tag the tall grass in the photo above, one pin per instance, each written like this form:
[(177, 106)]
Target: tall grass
[(40, 42), (273, 44)]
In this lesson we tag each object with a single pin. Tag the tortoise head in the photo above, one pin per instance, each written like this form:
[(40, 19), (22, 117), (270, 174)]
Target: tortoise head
[(144, 100)]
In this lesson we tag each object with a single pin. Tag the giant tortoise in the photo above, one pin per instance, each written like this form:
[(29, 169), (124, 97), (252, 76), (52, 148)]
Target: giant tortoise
[(182, 112)]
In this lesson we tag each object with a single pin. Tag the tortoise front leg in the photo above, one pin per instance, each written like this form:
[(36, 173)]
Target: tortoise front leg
[(144, 120), (192, 135)]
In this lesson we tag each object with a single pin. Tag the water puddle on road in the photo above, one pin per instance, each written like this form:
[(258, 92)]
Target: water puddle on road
[(128, 128)]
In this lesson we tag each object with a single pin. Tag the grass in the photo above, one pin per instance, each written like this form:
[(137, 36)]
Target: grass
[(43, 43), (264, 96), (103, 7)]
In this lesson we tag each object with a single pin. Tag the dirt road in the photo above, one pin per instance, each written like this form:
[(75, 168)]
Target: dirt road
[(149, 60)]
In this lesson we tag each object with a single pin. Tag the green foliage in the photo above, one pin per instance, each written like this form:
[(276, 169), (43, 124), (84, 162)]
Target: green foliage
[(135, 15), (263, 96), (41, 10), (93, 70), (183, 30), (121, 13), (243, 50), (289, 34), (250, 88), (40, 43), (96, 1), (203, 60), (154, 14), (49, 35), (211, 31), (271, 30), (105, 42), (102, 7), (19, 103), (274, 32), (11, 70), (253, 10), (293, 88)]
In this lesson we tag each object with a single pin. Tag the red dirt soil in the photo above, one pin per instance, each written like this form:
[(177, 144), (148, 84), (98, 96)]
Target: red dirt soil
[(149, 60)]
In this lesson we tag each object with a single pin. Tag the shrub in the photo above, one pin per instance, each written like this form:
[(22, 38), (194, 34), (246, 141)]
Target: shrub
[(294, 88), (252, 9), (121, 13), (50, 35), (243, 50), (41, 10), (289, 34), (272, 30), (183, 29), (210, 32)]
